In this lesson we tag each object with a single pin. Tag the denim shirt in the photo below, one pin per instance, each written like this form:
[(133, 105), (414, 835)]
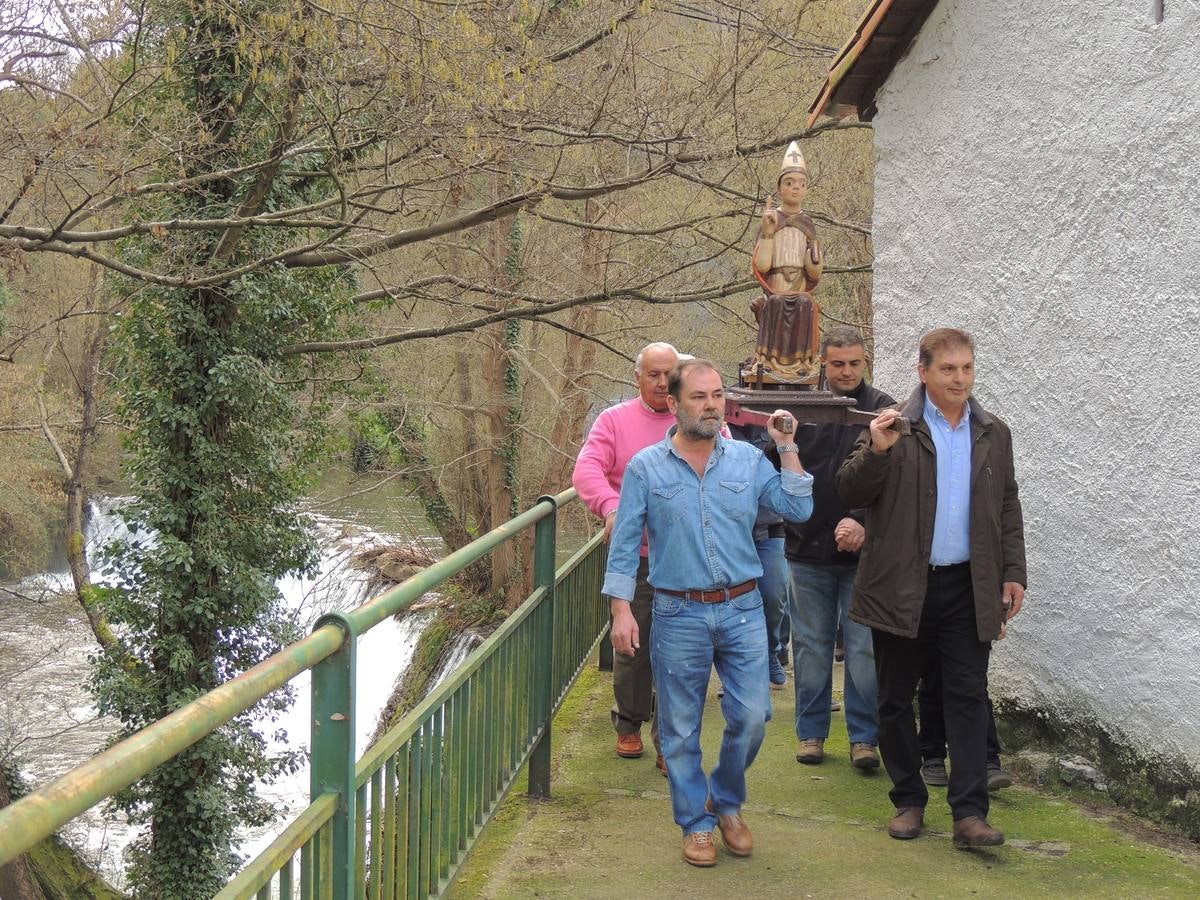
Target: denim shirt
[(951, 521), (700, 529)]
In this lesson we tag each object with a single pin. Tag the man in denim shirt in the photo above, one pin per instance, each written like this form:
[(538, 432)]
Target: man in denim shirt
[(696, 494)]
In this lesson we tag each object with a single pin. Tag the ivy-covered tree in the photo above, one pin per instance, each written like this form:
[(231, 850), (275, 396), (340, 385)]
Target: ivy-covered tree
[(217, 446), (277, 189)]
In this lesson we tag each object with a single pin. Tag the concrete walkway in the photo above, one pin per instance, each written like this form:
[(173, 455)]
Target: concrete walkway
[(818, 831)]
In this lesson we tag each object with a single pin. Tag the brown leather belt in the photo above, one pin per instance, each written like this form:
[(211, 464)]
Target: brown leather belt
[(716, 595)]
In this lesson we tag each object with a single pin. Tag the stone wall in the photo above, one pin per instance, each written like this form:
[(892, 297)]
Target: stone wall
[(1037, 183)]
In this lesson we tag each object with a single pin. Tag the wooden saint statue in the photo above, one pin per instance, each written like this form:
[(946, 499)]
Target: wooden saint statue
[(788, 264)]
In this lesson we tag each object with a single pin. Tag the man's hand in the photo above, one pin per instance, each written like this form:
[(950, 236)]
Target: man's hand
[(781, 437), (1012, 596), (625, 637), (609, 521), (849, 535), (882, 437)]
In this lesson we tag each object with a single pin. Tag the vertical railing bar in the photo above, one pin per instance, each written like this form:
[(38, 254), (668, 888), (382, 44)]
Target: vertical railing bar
[(326, 849), (376, 848), (545, 535), (450, 784), (496, 769), (479, 739), (435, 804), (332, 768), (426, 809), (464, 766), (415, 766), (389, 827), (510, 691), (360, 844), (285, 879), (488, 748), (528, 677), (306, 855), (401, 834), (453, 784)]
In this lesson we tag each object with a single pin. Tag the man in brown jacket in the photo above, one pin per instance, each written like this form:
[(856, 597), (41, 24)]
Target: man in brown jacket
[(943, 566)]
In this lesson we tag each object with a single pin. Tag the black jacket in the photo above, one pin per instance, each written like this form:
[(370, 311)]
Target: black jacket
[(822, 450)]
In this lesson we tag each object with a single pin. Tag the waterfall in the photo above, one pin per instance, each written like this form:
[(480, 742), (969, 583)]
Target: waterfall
[(43, 670)]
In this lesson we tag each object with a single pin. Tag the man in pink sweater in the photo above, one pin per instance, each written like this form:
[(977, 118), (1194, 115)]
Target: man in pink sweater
[(618, 433)]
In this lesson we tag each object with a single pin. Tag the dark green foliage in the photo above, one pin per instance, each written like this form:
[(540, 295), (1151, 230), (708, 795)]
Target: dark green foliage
[(218, 453)]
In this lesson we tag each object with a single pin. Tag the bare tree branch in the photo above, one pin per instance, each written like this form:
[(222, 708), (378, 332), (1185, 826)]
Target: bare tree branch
[(515, 313)]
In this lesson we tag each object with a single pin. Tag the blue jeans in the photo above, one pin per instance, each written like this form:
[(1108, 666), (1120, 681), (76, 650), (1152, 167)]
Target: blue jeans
[(774, 585), (820, 602), (687, 639)]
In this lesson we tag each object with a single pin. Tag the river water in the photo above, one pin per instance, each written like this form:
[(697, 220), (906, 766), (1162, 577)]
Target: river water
[(46, 717)]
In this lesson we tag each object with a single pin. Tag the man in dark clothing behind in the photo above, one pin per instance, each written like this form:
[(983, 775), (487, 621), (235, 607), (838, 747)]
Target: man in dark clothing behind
[(942, 571), (823, 555)]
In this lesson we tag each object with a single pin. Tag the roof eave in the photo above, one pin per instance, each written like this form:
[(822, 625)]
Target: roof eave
[(868, 57)]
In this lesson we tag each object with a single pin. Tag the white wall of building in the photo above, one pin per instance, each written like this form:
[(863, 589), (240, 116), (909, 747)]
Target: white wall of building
[(1038, 183)]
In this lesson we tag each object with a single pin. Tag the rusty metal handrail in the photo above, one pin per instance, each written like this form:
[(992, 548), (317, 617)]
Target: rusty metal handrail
[(38, 815)]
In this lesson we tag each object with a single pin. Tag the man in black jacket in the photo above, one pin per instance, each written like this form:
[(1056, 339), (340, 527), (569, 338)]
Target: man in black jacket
[(823, 555)]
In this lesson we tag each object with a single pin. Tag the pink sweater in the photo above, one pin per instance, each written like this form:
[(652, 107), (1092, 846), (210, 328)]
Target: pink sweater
[(618, 433)]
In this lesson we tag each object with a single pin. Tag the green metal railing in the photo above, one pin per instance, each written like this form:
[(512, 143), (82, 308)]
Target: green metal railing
[(400, 822)]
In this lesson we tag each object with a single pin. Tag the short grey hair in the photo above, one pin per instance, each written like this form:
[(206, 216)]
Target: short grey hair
[(657, 345), (842, 336)]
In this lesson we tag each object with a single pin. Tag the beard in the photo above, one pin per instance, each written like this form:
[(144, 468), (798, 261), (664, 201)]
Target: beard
[(703, 427)]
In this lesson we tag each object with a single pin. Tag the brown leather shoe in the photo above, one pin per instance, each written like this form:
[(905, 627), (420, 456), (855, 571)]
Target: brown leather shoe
[(976, 832), (699, 849), (863, 756), (811, 751), (735, 833), (661, 764), (629, 746), (907, 822)]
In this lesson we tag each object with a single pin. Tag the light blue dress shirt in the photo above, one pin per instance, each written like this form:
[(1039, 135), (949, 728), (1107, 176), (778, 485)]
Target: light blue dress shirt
[(952, 521), (700, 529)]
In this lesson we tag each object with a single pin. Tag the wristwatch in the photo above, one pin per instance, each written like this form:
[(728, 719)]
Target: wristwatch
[(788, 448)]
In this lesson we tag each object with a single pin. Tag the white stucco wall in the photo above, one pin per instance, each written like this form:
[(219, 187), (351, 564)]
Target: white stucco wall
[(1038, 183)]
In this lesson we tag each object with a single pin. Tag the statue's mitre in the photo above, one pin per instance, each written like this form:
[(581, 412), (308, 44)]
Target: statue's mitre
[(793, 161)]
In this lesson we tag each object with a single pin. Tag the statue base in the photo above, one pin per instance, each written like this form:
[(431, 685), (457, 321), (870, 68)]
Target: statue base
[(755, 374), (747, 406)]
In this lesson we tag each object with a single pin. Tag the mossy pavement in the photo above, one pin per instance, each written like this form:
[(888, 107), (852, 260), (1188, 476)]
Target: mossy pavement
[(818, 831)]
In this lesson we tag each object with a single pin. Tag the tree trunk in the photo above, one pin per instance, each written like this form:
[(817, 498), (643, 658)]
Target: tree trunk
[(578, 359), (16, 880), (77, 490), (503, 383)]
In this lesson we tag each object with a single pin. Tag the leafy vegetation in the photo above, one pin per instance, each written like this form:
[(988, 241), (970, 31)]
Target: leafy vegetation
[(234, 232)]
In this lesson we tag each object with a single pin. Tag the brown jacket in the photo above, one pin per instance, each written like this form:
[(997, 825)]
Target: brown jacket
[(899, 491)]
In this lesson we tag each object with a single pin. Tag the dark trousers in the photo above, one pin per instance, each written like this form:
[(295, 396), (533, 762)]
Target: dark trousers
[(932, 731), (947, 634), (633, 680)]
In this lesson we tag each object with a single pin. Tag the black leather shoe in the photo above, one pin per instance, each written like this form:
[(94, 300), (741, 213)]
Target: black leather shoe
[(933, 773), (998, 778)]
